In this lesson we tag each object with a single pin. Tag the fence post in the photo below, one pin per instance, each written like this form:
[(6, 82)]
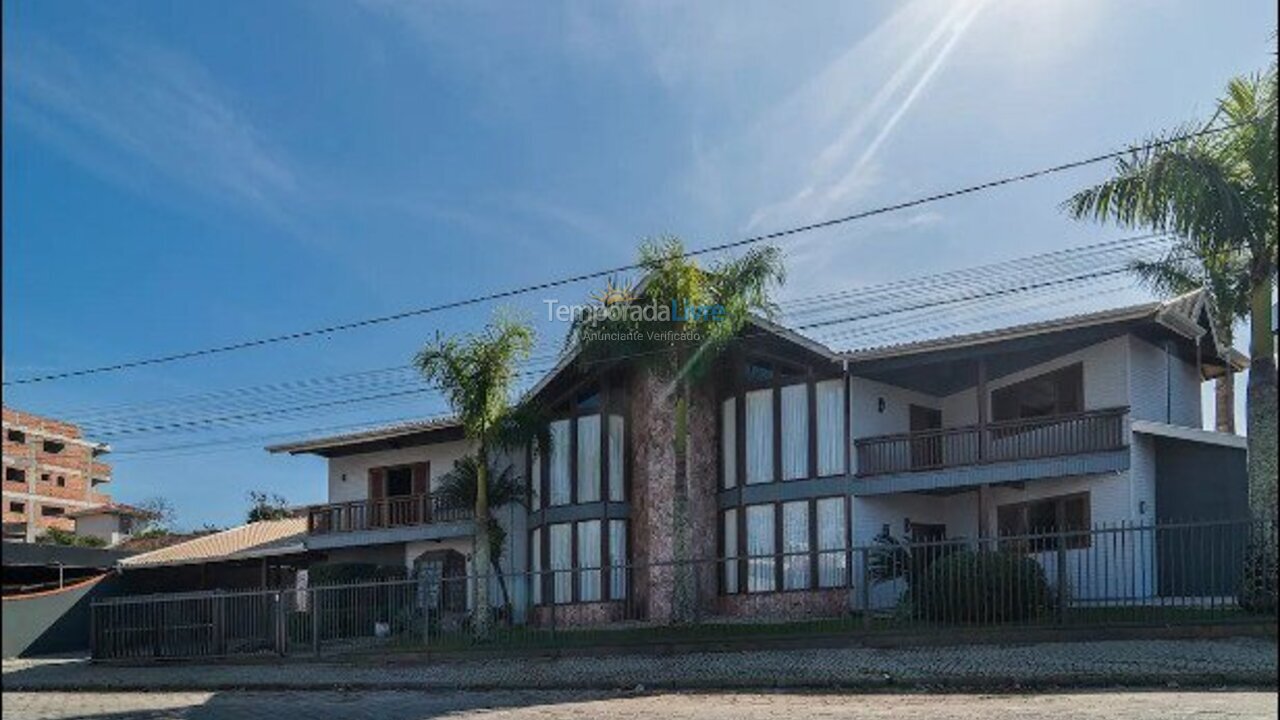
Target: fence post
[(281, 631), (865, 589), (93, 630), (314, 597), (1062, 577)]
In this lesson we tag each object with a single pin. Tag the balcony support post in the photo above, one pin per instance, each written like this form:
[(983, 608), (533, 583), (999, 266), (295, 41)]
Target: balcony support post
[(982, 409)]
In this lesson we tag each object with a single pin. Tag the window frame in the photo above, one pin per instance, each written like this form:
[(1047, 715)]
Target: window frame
[(1074, 373), (1029, 540)]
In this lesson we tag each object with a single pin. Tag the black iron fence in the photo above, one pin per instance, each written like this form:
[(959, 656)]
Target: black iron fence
[(1207, 572)]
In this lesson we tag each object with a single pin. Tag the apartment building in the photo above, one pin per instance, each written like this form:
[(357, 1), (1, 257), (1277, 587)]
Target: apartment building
[(50, 472)]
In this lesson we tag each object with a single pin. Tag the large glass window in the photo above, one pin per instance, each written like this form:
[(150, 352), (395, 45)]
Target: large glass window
[(589, 458), (830, 430), (759, 436), (617, 458), (729, 442), (618, 559), (795, 545), (832, 539), (730, 530), (559, 463), (589, 566), (1055, 393), (795, 432), (761, 547), (560, 539), (1041, 519)]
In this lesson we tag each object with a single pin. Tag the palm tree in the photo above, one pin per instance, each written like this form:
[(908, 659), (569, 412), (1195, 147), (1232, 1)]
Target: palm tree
[(1216, 191), (476, 373), (460, 487), (714, 304), (1226, 279)]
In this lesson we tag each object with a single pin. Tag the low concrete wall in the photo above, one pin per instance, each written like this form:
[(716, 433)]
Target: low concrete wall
[(54, 621)]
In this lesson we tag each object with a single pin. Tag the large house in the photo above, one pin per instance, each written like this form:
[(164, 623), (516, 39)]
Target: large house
[(799, 454)]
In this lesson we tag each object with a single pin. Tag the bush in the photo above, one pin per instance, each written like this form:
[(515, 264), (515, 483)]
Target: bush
[(54, 536), (981, 587), (1258, 583)]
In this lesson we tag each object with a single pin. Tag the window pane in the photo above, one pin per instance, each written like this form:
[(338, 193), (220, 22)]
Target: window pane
[(832, 538), (589, 459), (795, 432), (831, 433), (559, 462), (618, 559), (561, 540), (729, 442), (795, 539), (760, 549), (589, 560), (731, 551), (617, 459), (759, 436), (535, 565)]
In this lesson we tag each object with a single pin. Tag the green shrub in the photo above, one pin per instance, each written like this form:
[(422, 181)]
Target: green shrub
[(1258, 583), (54, 536), (981, 587)]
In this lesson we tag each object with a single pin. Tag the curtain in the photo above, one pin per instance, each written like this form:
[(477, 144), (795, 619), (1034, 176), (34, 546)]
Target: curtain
[(831, 432), (729, 442), (618, 559), (617, 460), (795, 432), (759, 436), (589, 560), (559, 462), (760, 549), (795, 539), (535, 481), (535, 567), (589, 458), (560, 539), (832, 536), (731, 551)]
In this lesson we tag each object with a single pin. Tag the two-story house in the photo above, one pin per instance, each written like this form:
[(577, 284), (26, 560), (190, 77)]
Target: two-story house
[(799, 454)]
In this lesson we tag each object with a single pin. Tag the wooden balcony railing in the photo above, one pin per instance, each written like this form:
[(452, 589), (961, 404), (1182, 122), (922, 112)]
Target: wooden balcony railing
[(1035, 438), (399, 511)]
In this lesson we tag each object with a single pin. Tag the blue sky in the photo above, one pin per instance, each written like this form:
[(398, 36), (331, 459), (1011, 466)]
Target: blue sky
[(183, 175)]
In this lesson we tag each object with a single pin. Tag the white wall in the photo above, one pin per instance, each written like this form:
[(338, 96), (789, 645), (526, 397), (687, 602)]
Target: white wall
[(355, 468), (1165, 388), (868, 421), (106, 527)]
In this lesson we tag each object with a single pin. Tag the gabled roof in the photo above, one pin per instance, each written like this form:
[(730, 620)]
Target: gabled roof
[(337, 444), (111, 508), (1185, 315), (267, 538)]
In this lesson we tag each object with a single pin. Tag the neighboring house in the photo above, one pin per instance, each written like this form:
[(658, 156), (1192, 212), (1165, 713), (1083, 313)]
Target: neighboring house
[(113, 522), (50, 471), (801, 450), (256, 555)]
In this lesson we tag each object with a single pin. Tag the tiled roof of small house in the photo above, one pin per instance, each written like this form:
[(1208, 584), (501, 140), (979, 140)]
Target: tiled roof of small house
[(266, 538)]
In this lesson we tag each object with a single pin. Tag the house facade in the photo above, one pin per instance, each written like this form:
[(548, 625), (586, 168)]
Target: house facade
[(798, 455), (50, 471)]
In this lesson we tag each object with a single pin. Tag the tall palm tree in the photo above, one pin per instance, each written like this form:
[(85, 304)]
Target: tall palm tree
[(1217, 192), (713, 304), (476, 373), (460, 487), (1225, 277)]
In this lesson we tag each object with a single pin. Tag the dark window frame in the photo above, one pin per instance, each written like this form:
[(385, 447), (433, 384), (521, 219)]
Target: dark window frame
[(1009, 403), (1014, 519)]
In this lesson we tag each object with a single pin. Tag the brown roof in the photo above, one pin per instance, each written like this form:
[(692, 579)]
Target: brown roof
[(323, 445), (266, 538), (111, 508), (147, 543)]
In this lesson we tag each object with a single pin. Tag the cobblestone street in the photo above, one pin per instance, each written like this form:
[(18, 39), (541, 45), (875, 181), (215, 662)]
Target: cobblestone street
[(405, 705)]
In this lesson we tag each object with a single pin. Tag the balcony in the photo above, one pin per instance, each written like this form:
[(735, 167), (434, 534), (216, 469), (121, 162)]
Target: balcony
[(1035, 439), (406, 511)]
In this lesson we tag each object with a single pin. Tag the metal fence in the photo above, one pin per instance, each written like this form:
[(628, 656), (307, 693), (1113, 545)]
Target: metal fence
[(1209, 572)]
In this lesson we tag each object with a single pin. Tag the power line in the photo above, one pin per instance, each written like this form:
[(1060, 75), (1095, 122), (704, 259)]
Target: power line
[(513, 292)]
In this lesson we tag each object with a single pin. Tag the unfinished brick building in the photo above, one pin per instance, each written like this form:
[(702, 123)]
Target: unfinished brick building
[(50, 471)]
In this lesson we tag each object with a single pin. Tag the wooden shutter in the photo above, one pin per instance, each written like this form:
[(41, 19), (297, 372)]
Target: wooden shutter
[(377, 483), (421, 471)]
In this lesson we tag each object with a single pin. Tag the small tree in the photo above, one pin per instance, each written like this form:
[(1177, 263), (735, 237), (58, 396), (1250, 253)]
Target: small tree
[(476, 373), (266, 506), (459, 488), (159, 517)]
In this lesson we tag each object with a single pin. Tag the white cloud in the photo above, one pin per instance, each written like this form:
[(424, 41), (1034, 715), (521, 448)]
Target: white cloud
[(147, 109)]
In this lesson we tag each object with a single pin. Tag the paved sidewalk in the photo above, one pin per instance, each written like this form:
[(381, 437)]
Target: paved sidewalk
[(544, 705), (1149, 663)]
